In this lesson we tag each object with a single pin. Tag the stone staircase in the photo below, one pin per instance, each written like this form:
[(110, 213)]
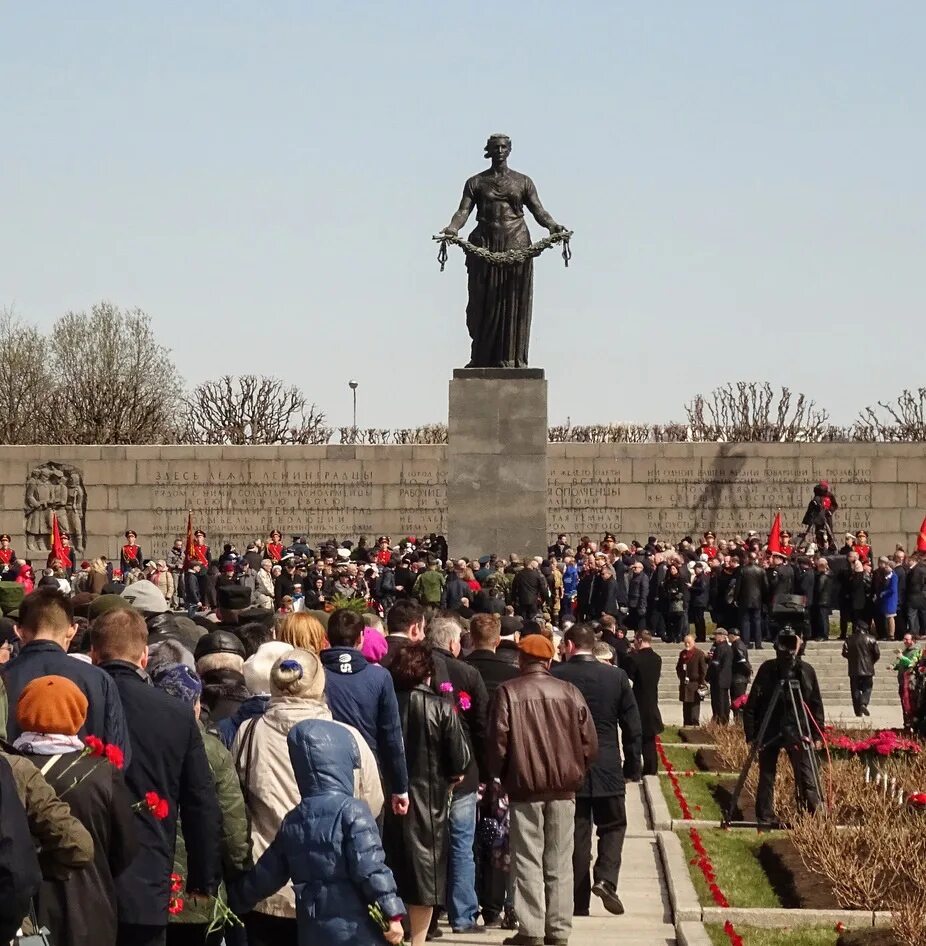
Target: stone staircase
[(825, 657)]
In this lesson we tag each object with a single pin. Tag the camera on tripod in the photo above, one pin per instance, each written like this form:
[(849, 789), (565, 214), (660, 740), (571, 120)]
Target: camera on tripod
[(788, 647)]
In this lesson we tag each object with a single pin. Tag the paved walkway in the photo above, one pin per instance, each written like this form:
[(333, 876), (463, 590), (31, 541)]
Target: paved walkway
[(642, 888), (882, 717)]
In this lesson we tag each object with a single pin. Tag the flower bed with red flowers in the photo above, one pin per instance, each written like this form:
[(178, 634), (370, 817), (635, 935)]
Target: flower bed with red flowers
[(885, 743)]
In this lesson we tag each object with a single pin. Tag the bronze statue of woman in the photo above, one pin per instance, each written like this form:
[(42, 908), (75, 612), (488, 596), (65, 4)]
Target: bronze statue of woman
[(498, 314)]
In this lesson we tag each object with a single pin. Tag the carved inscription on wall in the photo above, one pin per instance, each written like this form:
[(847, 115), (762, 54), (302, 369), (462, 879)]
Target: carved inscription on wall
[(339, 498), (671, 498)]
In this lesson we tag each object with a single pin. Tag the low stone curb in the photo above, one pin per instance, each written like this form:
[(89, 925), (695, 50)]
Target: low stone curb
[(692, 933), (695, 772), (770, 918), (659, 814), (698, 823), (683, 897)]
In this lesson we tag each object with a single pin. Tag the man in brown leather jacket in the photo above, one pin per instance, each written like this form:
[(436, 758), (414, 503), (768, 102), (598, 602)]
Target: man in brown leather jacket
[(541, 741)]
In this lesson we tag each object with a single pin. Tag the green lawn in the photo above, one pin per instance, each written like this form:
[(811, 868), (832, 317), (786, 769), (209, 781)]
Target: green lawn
[(670, 735), (753, 936), (697, 792), (682, 759), (735, 858)]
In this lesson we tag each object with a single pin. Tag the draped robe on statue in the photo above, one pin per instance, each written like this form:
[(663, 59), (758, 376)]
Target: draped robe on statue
[(498, 315)]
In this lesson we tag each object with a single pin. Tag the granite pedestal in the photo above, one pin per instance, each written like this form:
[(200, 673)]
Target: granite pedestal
[(497, 462)]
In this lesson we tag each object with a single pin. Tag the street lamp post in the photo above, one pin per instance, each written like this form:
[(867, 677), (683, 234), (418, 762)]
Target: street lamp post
[(353, 386)]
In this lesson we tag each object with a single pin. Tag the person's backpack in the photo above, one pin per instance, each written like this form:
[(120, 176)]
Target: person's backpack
[(20, 874), (387, 582)]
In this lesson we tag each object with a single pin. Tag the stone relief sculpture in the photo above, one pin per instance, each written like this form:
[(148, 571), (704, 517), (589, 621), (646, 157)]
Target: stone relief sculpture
[(54, 489)]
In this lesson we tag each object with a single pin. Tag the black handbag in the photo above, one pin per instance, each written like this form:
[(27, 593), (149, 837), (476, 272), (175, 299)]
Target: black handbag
[(41, 935)]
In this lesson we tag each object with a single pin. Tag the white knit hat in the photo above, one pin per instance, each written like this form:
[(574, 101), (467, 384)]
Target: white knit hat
[(258, 666)]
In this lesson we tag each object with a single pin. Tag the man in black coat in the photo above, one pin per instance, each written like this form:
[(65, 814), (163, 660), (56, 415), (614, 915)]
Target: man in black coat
[(455, 590), (46, 627), (742, 668), (751, 590), (646, 670), (494, 668), (862, 652), (637, 596), (783, 731), (485, 631), (529, 591), (916, 595), (170, 760), (405, 623), (600, 799), (585, 591), (720, 676), (468, 694)]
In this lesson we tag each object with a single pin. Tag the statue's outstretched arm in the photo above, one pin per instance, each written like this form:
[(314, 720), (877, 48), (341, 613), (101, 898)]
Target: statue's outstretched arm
[(532, 202), (458, 220)]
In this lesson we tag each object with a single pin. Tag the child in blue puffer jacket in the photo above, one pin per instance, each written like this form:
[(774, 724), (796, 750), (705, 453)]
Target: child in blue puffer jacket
[(329, 846)]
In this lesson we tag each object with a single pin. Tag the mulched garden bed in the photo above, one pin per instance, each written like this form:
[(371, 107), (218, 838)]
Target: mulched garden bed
[(873, 937), (723, 793), (797, 887), (708, 760), (697, 735)]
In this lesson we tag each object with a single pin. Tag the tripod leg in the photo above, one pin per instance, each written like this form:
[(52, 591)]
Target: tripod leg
[(806, 752), (758, 743)]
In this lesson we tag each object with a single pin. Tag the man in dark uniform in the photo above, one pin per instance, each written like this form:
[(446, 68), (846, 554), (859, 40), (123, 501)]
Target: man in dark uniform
[(720, 676), (646, 669)]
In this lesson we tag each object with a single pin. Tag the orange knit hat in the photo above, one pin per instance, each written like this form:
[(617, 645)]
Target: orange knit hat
[(52, 705)]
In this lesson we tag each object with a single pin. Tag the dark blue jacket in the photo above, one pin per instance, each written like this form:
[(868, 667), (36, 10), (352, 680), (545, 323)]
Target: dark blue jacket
[(169, 759), (41, 658), (228, 728), (329, 846), (361, 694)]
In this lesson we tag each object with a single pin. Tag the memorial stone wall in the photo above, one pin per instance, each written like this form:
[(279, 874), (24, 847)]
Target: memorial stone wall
[(238, 493)]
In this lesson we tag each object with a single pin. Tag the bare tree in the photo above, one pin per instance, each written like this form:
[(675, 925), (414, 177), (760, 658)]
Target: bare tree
[(428, 434), (619, 433), (902, 420), (745, 412), (252, 410), (25, 380), (114, 382)]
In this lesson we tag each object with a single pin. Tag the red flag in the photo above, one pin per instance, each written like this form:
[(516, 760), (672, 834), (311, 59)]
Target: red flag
[(921, 538), (190, 553), (58, 551), (774, 537)]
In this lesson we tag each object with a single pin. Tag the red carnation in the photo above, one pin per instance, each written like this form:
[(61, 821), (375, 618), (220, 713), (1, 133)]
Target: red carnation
[(151, 799), (94, 744), (176, 906), (465, 700), (161, 809), (176, 883), (114, 756)]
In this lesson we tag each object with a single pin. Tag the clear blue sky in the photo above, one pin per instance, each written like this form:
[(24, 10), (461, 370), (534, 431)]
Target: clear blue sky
[(746, 183)]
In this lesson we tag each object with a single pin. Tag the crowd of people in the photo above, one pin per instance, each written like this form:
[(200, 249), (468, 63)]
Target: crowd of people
[(338, 744)]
